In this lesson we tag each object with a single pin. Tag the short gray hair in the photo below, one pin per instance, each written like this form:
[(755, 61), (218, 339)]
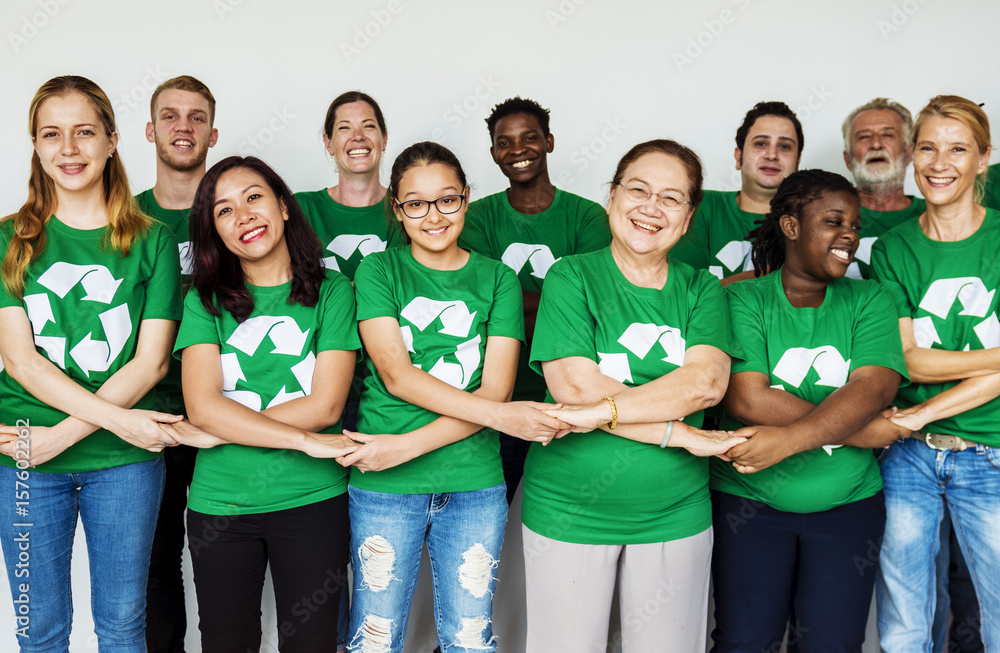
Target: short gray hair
[(878, 103)]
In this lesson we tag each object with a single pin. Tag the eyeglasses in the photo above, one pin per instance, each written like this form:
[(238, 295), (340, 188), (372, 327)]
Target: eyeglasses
[(446, 205), (669, 201)]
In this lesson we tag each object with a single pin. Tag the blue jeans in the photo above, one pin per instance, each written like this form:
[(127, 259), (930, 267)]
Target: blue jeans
[(464, 533), (118, 508), (919, 482)]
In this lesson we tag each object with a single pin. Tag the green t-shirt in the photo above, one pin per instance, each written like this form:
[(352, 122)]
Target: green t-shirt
[(991, 198), (348, 233), (949, 289), (269, 359), (86, 304), (716, 240), (445, 318), (873, 225), (810, 352), (529, 244), (169, 397), (598, 488)]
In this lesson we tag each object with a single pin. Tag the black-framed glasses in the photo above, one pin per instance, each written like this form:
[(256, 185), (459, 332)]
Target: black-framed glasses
[(446, 205), (667, 200)]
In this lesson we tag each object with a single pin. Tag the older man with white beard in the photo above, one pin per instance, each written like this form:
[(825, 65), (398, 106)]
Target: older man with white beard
[(877, 150)]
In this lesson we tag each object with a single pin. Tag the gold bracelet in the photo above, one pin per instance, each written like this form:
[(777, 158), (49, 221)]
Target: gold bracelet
[(614, 413)]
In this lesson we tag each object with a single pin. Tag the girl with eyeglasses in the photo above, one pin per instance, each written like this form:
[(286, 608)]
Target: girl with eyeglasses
[(442, 328)]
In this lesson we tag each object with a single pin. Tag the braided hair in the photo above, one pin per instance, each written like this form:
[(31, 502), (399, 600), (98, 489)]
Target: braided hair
[(794, 194)]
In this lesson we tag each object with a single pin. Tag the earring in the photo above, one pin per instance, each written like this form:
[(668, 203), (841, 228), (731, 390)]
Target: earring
[(111, 155)]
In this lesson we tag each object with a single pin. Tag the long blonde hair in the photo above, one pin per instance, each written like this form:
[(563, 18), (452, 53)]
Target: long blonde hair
[(125, 221)]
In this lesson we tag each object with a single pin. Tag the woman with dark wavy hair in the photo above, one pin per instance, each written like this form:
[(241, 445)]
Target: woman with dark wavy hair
[(264, 322)]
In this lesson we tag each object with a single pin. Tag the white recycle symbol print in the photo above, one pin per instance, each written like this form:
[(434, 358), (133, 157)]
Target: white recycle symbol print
[(735, 256), (100, 285), (538, 256), (345, 245), (639, 339), (186, 256), (976, 301), (287, 339), (457, 321), (831, 367), (864, 254)]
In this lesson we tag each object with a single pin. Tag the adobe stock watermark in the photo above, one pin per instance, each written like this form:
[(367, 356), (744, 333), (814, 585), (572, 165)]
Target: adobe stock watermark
[(32, 24), (900, 15), (223, 7), (138, 97), (817, 99), (562, 12), (705, 38), (460, 111), (365, 34), (256, 143), (582, 157)]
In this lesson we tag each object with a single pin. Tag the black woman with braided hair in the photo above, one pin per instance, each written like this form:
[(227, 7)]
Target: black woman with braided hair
[(800, 502)]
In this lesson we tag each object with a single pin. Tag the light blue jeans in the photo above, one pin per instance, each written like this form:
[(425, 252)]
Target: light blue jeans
[(464, 533), (118, 508), (919, 481)]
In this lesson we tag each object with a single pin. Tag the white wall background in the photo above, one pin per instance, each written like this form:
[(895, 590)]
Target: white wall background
[(613, 74)]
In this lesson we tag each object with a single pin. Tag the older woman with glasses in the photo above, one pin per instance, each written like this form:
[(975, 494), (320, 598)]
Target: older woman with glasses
[(636, 345)]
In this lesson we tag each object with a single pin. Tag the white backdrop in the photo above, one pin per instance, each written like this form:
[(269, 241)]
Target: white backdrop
[(613, 74)]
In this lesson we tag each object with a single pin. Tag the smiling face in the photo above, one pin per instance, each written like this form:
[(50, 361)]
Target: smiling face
[(72, 143), (357, 142), (250, 219), (878, 152), (182, 129), (821, 243), (435, 234), (946, 161), (520, 147), (770, 153), (645, 227)]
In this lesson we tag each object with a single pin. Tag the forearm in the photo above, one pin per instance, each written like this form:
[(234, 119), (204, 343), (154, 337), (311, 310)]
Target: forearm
[(421, 389), (969, 394), (843, 413), (940, 365), (878, 433), (238, 424), (768, 407), (309, 413)]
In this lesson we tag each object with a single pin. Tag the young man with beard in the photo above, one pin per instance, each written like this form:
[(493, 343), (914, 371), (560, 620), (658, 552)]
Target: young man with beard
[(877, 151), (528, 227), (181, 126), (768, 149)]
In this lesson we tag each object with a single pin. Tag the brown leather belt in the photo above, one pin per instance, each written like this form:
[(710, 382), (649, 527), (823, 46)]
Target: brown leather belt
[(943, 441)]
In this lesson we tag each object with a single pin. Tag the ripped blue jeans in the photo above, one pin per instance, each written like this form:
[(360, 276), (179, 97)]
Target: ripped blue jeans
[(464, 533)]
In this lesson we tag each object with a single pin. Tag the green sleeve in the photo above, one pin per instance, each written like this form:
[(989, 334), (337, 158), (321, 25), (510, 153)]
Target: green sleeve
[(708, 323), (693, 247), (473, 236), (876, 339), (507, 314), (338, 329), (594, 232), (197, 326), (564, 325), (164, 298), (747, 319), (373, 290), (883, 272)]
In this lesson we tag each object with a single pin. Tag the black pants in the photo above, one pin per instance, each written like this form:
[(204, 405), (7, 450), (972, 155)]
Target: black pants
[(166, 617), (306, 548), (767, 562)]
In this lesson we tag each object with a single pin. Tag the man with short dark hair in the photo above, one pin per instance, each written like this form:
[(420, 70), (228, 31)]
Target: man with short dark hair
[(182, 113), (528, 227), (768, 148)]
